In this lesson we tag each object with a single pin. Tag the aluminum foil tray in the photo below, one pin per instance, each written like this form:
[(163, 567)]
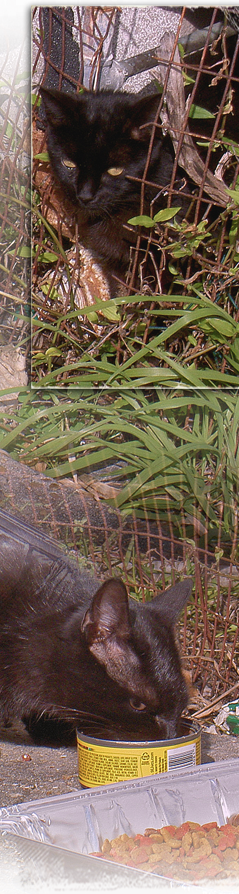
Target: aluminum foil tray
[(56, 835)]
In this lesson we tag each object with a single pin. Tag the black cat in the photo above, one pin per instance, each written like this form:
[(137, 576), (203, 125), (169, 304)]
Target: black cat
[(82, 653), (98, 146)]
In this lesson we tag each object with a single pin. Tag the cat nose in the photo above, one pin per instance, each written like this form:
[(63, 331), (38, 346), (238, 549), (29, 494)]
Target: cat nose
[(86, 193), (167, 728)]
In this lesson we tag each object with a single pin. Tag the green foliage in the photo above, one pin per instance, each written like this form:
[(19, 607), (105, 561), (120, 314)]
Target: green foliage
[(207, 332), (147, 382), (164, 215), (176, 453)]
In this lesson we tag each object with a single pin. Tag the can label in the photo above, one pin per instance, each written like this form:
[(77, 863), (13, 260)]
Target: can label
[(102, 765)]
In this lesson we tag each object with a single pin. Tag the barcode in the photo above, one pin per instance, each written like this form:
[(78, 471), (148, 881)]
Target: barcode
[(182, 757)]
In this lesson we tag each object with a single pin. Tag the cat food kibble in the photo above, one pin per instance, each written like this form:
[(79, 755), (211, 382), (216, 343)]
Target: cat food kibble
[(189, 852)]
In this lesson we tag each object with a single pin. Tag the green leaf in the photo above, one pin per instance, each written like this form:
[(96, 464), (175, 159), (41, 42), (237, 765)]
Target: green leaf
[(166, 214), (53, 352), (36, 98), (223, 328), (187, 79), (23, 252), (141, 221), (199, 112), (91, 315), (48, 256), (110, 314), (234, 193), (179, 252), (42, 156), (9, 129)]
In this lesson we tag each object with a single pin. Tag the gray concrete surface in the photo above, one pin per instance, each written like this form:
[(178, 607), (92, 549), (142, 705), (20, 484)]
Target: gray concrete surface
[(53, 771)]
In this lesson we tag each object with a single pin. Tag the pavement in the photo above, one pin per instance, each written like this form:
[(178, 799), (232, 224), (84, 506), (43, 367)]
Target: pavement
[(29, 772)]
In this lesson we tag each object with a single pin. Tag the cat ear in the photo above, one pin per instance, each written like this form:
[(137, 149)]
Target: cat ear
[(171, 602), (143, 114), (58, 106), (108, 613), (107, 629)]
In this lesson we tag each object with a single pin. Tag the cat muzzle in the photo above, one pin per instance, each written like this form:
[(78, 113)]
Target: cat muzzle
[(86, 193), (167, 728)]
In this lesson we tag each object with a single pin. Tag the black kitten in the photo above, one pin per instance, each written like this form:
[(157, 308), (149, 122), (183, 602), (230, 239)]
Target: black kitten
[(103, 663), (98, 146)]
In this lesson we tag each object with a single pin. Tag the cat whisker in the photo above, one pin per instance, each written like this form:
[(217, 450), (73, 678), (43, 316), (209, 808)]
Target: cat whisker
[(74, 713)]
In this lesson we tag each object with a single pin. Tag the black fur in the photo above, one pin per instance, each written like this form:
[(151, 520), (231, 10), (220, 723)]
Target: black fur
[(101, 662), (99, 132)]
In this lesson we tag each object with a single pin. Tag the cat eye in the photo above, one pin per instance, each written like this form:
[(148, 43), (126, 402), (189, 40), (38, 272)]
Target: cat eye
[(68, 164), (115, 172), (137, 705)]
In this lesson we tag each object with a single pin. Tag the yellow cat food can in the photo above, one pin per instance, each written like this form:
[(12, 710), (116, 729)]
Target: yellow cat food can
[(102, 761)]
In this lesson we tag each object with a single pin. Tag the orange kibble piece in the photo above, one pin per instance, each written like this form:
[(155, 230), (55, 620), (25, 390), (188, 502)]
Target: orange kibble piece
[(139, 855)]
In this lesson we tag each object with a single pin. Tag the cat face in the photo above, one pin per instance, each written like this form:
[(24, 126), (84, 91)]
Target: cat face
[(135, 645), (98, 146)]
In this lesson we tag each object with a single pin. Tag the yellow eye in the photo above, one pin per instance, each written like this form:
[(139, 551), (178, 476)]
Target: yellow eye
[(137, 705), (67, 163), (115, 172)]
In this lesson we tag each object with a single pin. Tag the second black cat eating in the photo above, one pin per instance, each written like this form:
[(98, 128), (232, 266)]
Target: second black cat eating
[(98, 146), (83, 653)]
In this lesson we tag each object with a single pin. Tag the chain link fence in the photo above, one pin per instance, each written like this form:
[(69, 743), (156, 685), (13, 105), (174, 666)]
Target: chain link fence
[(197, 72), (149, 556)]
